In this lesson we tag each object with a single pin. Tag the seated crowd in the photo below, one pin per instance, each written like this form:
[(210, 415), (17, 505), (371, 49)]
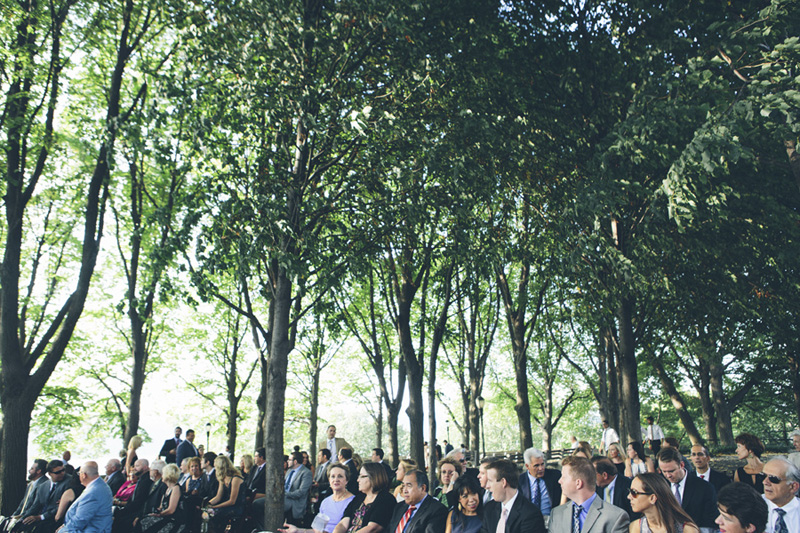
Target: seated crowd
[(617, 492)]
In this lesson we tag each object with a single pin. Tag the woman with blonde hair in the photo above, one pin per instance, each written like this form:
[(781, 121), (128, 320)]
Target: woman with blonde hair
[(130, 456), (617, 456), (404, 466), (246, 463), (169, 516), (650, 495), (229, 501)]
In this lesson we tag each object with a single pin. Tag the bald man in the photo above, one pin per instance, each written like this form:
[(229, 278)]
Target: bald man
[(91, 512)]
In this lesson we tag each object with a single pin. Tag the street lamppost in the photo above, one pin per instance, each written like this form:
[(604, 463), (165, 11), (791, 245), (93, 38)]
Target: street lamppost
[(447, 423), (208, 437), (480, 402)]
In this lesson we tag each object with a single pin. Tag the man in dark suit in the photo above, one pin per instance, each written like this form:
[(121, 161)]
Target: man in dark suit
[(257, 479), (611, 487), (539, 484), (578, 480), (186, 448), (698, 498), (115, 477), (170, 447), (346, 458), (211, 483), (134, 507), (48, 494), (509, 507), (377, 457), (700, 459), (157, 488), (421, 513)]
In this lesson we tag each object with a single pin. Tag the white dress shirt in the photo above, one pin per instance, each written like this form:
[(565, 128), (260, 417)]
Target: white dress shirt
[(792, 516)]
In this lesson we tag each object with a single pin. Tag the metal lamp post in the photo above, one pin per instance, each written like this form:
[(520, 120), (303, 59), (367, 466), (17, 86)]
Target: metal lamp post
[(480, 402)]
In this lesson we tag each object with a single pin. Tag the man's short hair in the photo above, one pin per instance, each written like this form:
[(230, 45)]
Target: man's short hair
[(158, 465), (54, 465), (209, 457), (795, 433), (189, 431), (261, 452), (603, 465), (455, 451), (581, 468), (331, 426), (378, 452), (326, 453), (41, 465), (507, 470), (532, 453), (672, 441), (745, 503), (668, 455), (649, 419), (346, 453), (705, 450), (792, 472), (487, 460), (90, 469), (421, 477), (298, 456)]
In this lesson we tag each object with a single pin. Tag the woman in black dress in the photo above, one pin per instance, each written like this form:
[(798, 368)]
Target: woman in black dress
[(372, 509), (750, 448)]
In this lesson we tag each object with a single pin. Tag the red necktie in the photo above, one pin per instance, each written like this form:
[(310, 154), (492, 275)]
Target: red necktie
[(406, 517)]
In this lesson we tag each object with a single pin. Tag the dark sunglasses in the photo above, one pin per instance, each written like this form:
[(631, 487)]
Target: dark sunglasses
[(55, 472), (635, 493), (775, 479)]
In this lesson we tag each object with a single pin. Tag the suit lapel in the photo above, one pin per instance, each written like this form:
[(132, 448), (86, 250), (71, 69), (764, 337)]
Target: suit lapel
[(688, 490), (420, 510), (593, 514)]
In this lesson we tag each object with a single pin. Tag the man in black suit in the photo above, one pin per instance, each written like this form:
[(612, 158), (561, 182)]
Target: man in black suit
[(420, 513), (170, 447), (539, 484), (257, 479), (698, 498), (124, 515), (186, 448), (377, 457), (115, 477), (700, 459), (611, 487), (346, 458), (509, 507), (157, 488), (211, 483)]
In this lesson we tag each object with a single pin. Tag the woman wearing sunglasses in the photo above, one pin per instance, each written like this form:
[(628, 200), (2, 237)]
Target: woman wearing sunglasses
[(650, 495)]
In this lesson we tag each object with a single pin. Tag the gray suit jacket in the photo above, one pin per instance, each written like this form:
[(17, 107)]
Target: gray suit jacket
[(296, 497), (602, 518), (35, 498)]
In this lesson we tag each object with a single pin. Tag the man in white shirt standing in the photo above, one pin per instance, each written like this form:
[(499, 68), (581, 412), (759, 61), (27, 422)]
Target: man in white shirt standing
[(780, 488), (609, 436), (653, 434)]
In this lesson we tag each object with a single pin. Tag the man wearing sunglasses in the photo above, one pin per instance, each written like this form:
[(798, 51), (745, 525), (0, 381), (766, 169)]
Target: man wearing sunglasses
[(49, 493), (780, 489)]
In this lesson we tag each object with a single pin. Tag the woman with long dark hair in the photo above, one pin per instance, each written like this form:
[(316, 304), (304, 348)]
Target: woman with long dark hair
[(638, 462), (650, 495)]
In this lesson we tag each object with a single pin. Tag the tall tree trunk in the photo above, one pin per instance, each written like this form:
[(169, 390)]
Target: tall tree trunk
[(709, 416), (613, 388), (313, 417), (677, 401), (275, 408), (716, 372), (392, 416), (629, 400)]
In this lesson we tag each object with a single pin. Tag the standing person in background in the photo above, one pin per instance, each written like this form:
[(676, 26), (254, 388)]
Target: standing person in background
[(333, 443), (130, 457), (653, 435), (609, 435), (170, 447), (186, 448)]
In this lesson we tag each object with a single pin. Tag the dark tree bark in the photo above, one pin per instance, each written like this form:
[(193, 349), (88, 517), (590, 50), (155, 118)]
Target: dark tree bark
[(677, 401)]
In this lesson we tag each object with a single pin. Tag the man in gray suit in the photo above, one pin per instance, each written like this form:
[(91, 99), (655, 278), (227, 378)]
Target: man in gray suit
[(578, 482), (31, 503), (48, 495), (297, 485)]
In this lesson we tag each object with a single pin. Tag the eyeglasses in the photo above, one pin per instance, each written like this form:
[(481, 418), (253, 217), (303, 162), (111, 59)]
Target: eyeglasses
[(56, 472), (775, 479), (635, 493), (698, 454)]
